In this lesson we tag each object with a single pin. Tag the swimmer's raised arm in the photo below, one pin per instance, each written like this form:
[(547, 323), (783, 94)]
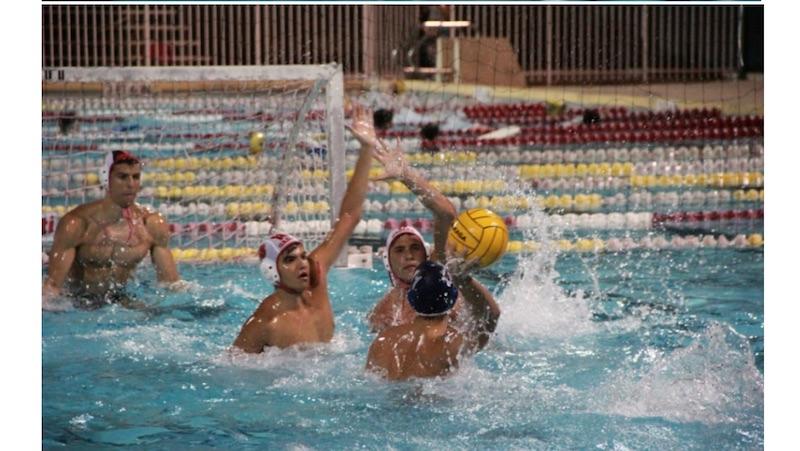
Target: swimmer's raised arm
[(396, 166), (353, 200), (67, 238), (481, 308)]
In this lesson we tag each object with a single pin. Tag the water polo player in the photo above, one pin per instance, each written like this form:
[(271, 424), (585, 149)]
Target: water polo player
[(406, 249), (98, 245), (299, 310), (429, 345)]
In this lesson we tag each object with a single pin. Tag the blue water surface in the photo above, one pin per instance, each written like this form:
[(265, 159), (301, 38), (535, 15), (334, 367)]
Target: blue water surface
[(637, 350)]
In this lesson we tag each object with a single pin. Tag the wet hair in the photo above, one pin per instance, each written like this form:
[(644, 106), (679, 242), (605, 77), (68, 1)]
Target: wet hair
[(123, 157), (290, 248)]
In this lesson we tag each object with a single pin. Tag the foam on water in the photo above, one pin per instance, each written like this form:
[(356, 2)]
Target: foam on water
[(533, 304), (237, 290), (565, 370), (713, 380), (299, 366), (707, 376), (172, 340)]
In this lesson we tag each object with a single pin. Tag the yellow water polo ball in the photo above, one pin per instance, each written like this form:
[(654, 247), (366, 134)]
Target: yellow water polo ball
[(481, 234), (256, 142)]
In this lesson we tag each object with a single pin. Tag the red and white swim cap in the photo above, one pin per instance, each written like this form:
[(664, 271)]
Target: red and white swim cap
[(269, 252), (114, 157), (397, 233)]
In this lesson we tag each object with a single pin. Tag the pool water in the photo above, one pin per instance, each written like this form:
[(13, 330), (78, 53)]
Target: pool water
[(636, 350)]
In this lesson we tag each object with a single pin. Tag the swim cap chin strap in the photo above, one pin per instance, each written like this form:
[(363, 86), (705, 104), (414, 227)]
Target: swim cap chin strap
[(126, 213)]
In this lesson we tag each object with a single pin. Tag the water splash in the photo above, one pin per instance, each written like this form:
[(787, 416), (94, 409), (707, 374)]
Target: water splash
[(81, 421), (171, 340), (713, 380), (238, 291), (303, 365), (533, 304)]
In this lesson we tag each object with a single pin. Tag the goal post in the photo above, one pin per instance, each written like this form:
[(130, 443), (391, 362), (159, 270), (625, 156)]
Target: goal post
[(230, 152)]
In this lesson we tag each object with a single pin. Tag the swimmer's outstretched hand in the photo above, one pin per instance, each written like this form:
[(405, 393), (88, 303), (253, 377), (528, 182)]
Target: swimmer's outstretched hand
[(179, 285), (459, 266), (362, 128), (53, 302), (393, 160)]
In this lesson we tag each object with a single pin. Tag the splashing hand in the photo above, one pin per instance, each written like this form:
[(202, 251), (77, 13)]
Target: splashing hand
[(180, 285), (52, 301), (459, 266), (393, 160), (362, 128)]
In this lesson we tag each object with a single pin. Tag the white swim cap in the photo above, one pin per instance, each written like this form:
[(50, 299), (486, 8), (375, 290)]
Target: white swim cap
[(269, 252), (397, 233)]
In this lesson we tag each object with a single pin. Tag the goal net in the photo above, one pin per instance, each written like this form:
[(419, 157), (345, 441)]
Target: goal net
[(229, 153)]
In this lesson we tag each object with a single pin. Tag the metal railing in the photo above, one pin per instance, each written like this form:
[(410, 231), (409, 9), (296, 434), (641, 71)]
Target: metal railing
[(554, 43), (192, 35), (601, 44)]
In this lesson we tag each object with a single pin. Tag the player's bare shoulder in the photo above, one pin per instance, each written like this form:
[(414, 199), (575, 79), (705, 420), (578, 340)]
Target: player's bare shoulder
[(384, 345), (155, 222), (399, 333), (84, 211), (270, 308), (76, 222), (149, 215), (453, 339)]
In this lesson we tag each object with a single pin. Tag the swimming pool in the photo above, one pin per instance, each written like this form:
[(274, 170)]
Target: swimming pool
[(627, 320), (643, 349)]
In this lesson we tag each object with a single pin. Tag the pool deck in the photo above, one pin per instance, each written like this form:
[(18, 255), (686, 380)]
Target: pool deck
[(730, 96)]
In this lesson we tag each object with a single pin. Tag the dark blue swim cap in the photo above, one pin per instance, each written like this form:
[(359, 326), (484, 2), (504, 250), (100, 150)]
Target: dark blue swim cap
[(432, 290)]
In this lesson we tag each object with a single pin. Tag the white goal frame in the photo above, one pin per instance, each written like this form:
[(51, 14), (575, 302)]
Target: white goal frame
[(330, 76)]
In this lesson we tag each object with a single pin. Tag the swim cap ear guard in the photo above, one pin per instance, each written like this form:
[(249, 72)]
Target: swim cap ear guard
[(432, 291), (269, 252), (396, 233)]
